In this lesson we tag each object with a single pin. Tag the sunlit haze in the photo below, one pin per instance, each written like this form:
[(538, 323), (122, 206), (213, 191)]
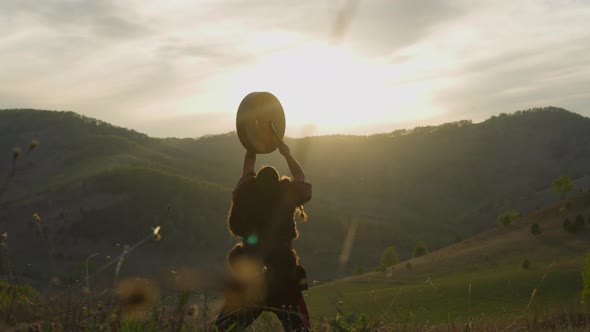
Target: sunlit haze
[(181, 68)]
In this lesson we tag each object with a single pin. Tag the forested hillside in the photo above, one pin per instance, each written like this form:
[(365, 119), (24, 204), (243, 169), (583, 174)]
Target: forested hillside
[(95, 185)]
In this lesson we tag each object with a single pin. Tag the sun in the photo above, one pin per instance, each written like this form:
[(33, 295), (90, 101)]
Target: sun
[(334, 89), (320, 84)]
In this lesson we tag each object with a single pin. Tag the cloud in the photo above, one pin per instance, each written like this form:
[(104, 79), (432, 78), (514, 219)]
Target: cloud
[(382, 27), (181, 67), (97, 18)]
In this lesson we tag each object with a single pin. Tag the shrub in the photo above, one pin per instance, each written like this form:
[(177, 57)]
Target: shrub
[(579, 223), (526, 264), (389, 258), (15, 294), (421, 249), (576, 226), (536, 229), (359, 270), (508, 218), (562, 185), (567, 224)]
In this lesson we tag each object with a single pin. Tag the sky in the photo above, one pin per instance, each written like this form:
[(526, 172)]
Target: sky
[(181, 68)]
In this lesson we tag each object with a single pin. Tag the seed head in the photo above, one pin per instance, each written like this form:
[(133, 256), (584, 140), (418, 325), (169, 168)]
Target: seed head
[(16, 152), (156, 230), (136, 295), (192, 311), (34, 144), (37, 218), (55, 281)]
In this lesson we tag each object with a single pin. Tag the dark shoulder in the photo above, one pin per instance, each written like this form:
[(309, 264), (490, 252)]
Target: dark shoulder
[(244, 183), (297, 191)]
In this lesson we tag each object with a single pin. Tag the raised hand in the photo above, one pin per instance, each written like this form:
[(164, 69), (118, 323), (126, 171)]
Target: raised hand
[(284, 149)]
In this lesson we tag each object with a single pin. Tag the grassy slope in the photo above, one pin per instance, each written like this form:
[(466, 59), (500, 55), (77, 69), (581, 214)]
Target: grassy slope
[(436, 288)]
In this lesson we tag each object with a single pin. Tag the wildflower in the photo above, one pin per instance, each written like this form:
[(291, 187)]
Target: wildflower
[(136, 295), (340, 303), (192, 311), (16, 152), (55, 282), (156, 230), (34, 144), (315, 282), (37, 218), (172, 272), (118, 245), (108, 258), (29, 265), (4, 236), (157, 235)]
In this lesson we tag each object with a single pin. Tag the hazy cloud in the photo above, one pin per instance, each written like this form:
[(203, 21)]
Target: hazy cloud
[(180, 67), (98, 18)]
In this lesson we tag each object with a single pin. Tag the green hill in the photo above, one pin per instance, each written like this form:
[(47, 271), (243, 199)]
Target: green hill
[(481, 277), (96, 184)]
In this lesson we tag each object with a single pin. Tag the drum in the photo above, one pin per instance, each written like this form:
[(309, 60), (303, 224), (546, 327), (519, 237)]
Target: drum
[(257, 114)]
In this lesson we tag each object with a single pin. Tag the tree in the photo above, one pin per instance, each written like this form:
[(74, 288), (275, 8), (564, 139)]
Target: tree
[(421, 249), (389, 258), (567, 225), (579, 223), (508, 218), (526, 264), (536, 229), (359, 270), (562, 185), (576, 226), (586, 281)]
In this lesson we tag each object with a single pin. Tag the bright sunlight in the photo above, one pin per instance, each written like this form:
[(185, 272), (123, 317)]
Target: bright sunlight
[(331, 87)]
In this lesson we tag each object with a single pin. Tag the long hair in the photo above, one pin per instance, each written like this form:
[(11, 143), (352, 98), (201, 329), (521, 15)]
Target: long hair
[(255, 202), (262, 200)]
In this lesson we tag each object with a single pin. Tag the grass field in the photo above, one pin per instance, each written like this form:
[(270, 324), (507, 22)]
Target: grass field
[(479, 279), (482, 293)]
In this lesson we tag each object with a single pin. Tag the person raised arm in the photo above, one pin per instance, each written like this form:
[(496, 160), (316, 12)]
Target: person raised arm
[(296, 170), (247, 168), (249, 163)]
